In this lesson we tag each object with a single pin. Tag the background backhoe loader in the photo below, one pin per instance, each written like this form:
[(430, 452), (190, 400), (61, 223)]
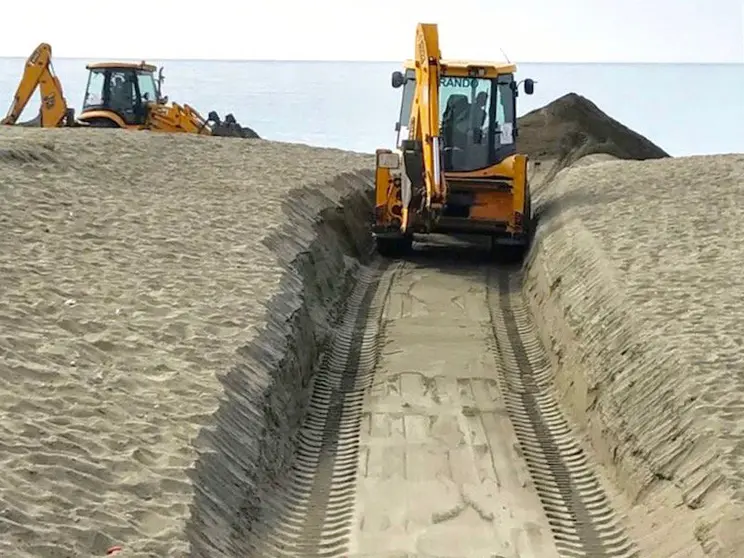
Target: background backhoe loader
[(455, 168), (127, 95), (118, 95)]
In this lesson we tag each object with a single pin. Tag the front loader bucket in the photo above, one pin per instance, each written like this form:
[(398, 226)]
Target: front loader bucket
[(413, 158)]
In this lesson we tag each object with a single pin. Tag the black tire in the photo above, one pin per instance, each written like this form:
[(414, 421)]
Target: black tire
[(102, 123), (394, 247), (509, 254), (519, 253)]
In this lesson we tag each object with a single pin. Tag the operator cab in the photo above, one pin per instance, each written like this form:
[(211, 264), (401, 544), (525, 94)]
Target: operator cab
[(477, 114), (122, 88)]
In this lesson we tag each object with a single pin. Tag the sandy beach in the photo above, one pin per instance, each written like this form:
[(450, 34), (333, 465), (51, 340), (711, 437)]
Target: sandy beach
[(165, 299), (133, 268)]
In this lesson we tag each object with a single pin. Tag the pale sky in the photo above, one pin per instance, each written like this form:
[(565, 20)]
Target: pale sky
[(527, 30)]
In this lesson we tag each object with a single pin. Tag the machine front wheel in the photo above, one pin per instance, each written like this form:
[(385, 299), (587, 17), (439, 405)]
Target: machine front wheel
[(510, 254), (394, 247)]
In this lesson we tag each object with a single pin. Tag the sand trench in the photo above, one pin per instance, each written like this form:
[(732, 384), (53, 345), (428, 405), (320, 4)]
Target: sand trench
[(266, 396)]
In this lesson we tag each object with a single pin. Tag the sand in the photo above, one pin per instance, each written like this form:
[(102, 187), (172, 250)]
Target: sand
[(164, 299), (138, 273), (634, 287), (635, 279), (441, 473)]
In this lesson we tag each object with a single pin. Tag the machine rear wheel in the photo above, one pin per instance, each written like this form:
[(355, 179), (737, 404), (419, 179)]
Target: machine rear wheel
[(102, 123)]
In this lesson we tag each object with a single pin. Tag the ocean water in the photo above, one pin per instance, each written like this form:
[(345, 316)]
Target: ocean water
[(685, 108)]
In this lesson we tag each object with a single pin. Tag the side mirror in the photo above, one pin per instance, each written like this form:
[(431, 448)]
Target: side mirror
[(529, 86), (159, 82), (397, 80)]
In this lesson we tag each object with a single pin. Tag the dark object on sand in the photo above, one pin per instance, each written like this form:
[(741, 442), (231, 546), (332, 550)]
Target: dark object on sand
[(572, 126), (229, 127)]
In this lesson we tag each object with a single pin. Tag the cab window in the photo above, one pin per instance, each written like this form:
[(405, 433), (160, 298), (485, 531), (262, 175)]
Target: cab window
[(94, 90), (123, 92), (409, 89), (147, 87), (466, 129)]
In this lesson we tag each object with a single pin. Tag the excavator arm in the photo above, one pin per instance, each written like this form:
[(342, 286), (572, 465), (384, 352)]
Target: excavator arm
[(176, 118), (422, 151), (38, 72)]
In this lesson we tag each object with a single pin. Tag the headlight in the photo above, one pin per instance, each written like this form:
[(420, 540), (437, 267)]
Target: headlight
[(388, 160)]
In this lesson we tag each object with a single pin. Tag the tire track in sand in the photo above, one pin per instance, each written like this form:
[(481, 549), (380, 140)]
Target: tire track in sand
[(312, 511), (440, 470), (579, 513), (447, 442)]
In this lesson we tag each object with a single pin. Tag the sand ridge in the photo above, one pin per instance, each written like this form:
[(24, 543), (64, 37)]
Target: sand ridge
[(133, 268), (634, 278)]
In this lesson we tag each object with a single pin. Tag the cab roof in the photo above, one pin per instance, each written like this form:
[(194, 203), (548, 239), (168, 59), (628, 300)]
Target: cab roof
[(122, 65), (463, 65)]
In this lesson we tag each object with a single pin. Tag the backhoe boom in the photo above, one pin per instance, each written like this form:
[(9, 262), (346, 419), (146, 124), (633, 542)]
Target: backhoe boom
[(427, 110), (38, 72)]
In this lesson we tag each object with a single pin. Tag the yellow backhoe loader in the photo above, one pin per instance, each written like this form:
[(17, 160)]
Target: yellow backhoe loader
[(127, 95), (455, 169), (118, 95)]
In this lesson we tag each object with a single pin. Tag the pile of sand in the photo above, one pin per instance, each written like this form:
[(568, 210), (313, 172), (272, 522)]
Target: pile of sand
[(635, 281), (572, 127), (151, 285)]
